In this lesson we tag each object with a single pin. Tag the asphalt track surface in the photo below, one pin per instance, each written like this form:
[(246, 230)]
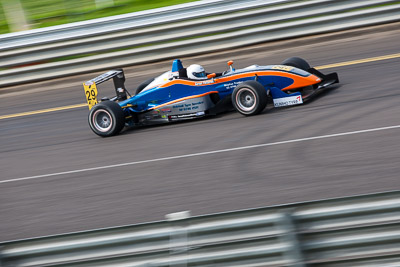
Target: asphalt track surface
[(345, 142)]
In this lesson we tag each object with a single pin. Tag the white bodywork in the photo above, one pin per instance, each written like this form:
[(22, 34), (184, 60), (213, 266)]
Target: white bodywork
[(160, 80)]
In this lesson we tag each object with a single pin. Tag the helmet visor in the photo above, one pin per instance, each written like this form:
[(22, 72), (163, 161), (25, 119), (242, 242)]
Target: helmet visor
[(199, 74)]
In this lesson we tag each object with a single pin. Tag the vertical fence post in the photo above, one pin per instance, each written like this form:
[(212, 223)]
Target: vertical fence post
[(290, 236), (15, 15), (178, 242)]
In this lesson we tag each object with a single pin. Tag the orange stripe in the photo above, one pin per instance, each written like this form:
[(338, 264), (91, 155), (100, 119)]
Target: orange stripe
[(184, 98), (298, 81), (179, 81), (306, 81)]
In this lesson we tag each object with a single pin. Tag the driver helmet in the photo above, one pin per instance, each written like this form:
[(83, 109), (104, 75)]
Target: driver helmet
[(196, 72)]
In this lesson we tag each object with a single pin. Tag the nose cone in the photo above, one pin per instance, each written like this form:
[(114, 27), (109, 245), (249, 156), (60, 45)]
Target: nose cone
[(310, 80), (315, 78), (300, 81)]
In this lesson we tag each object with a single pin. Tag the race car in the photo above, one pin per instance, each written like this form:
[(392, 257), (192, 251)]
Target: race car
[(189, 93)]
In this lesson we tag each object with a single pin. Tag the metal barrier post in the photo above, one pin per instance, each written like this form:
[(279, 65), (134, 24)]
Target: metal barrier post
[(179, 236), (1, 256), (295, 254)]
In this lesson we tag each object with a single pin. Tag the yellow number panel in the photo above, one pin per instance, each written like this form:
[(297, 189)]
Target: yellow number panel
[(91, 94)]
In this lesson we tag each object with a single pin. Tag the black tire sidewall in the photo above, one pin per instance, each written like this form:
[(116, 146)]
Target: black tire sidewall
[(117, 116), (143, 85), (260, 97), (297, 62)]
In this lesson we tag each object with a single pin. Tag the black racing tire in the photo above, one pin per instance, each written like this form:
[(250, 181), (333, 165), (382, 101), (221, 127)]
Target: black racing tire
[(249, 98), (106, 118), (143, 85), (297, 62)]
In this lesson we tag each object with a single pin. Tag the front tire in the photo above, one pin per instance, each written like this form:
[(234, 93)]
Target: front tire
[(106, 118), (249, 98), (297, 62)]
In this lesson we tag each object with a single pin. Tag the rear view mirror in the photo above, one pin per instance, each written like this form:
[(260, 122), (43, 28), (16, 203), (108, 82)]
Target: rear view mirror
[(212, 75)]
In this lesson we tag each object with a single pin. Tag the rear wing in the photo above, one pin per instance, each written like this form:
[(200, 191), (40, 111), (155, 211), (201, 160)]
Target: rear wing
[(90, 86)]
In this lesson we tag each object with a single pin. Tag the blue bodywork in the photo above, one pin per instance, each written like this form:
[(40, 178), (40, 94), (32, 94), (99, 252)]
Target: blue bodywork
[(177, 88)]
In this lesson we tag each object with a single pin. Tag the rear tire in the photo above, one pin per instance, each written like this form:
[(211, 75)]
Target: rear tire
[(249, 98), (143, 85), (106, 119), (297, 62)]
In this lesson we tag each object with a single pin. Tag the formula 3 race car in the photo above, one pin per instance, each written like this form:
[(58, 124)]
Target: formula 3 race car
[(181, 93)]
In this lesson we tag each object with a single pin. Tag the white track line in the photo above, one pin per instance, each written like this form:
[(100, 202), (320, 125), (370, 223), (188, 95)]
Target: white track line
[(200, 154)]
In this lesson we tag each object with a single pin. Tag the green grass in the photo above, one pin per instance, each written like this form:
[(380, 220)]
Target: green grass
[(44, 13)]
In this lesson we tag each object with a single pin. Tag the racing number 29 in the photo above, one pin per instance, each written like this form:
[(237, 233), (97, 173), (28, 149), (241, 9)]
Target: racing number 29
[(91, 95)]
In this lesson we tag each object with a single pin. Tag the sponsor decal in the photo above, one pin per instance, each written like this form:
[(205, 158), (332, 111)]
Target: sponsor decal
[(188, 107), (204, 82), (288, 101), (232, 85), (282, 67), (106, 75), (187, 116)]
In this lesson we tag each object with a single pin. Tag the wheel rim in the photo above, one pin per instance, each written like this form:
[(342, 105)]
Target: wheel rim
[(246, 99), (102, 120)]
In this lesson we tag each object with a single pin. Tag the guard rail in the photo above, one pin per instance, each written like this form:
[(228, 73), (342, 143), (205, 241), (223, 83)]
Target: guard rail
[(183, 30), (352, 231)]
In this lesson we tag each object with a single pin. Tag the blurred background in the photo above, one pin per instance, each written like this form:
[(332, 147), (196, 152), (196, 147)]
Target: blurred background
[(19, 15), (336, 159)]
